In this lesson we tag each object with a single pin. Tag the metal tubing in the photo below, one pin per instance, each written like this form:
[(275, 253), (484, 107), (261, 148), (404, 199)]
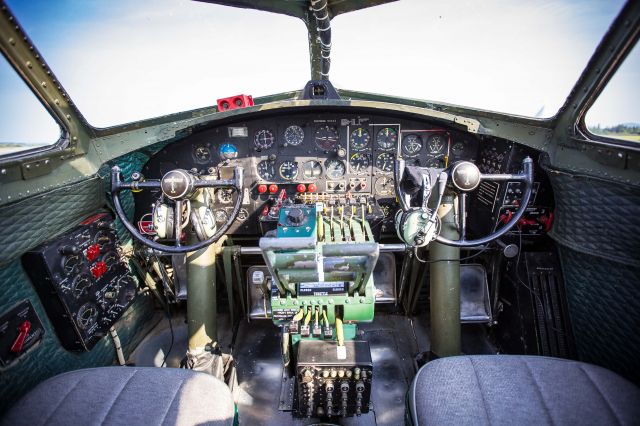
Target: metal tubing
[(445, 286)]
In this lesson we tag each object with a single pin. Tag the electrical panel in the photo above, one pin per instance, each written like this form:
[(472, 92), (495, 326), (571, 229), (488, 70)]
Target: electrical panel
[(83, 281)]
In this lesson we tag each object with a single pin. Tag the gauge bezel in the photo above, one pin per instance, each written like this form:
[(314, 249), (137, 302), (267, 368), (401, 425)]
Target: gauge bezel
[(444, 145), (365, 169), (405, 152), (367, 139), (273, 168), (197, 157), (295, 167), (304, 175), (286, 135), (378, 137), (334, 144), (256, 140), (385, 153), (384, 193), (326, 169)]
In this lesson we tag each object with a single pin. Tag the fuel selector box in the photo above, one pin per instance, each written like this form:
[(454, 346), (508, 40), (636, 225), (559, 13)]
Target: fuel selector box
[(83, 281)]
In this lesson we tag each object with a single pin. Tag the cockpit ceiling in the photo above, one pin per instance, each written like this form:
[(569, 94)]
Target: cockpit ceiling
[(299, 8)]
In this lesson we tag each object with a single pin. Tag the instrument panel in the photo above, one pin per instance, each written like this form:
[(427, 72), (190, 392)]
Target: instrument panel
[(321, 156)]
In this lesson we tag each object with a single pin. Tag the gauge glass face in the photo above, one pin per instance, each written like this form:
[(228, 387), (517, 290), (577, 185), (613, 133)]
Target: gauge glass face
[(335, 169), (411, 145), (71, 263), (294, 135), (327, 137), (359, 139), (202, 154), (387, 138), (243, 214), (457, 149), (384, 162), (312, 169), (263, 139), (436, 144), (266, 170), (359, 163), (228, 151), (225, 196), (288, 170), (384, 186), (80, 285), (86, 315), (221, 216)]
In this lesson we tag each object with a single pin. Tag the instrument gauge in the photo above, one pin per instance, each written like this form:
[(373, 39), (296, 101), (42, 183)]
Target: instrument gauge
[(458, 149), (263, 139), (312, 169), (384, 186), (243, 215), (384, 162), (228, 151), (436, 144), (327, 137), (71, 263), (266, 170), (411, 145), (288, 170), (294, 135), (359, 163), (80, 285), (221, 216), (111, 259), (335, 169), (86, 316), (202, 154), (225, 195), (103, 238), (359, 139), (387, 138)]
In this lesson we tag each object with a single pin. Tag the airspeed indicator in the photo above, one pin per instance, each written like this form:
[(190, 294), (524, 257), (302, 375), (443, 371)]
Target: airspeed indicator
[(384, 162)]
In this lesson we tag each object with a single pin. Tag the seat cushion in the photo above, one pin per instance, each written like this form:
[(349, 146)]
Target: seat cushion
[(126, 396), (508, 389)]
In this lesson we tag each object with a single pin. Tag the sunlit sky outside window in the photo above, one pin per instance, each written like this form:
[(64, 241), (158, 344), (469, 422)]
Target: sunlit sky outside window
[(123, 61)]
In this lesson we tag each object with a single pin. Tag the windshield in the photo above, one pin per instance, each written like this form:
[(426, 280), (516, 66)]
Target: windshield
[(519, 57), (123, 61)]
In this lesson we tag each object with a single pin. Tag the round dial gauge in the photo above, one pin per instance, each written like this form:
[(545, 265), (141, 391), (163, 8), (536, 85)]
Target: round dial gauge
[(359, 163), (87, 315), (110, 259), (228, 151), (266, 170), (243, 214), (387, 138), (225, 196), (221, 216), (288, 170), (326, 137), (436, 144), (312, 169), (294, 135), (71, 263), (359, 139), (335, 169), (80, 285), (458, 149), (103, 237), (263, 139), (411, 145), (202, 154), (384, 162), (384, 186)]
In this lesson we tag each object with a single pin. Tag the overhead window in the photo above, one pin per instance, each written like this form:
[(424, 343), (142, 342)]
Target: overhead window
[(616, 112), (24, 121)]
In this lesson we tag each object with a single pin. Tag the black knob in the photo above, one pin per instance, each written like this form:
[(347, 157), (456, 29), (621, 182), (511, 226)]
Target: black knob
[(295, 216), (69, 250)]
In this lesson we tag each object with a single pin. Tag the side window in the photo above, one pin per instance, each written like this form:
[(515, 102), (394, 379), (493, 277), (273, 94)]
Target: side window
[(24, 121), (616, 112)]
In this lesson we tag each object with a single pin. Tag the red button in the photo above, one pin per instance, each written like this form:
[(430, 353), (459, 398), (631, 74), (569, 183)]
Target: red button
[(262, 189), (273, 189), (98, 269), (93, 252), (312, 187), (301, 188)]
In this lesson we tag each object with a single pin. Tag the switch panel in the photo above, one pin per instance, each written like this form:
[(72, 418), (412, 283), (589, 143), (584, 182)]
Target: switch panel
[(20, 330)]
